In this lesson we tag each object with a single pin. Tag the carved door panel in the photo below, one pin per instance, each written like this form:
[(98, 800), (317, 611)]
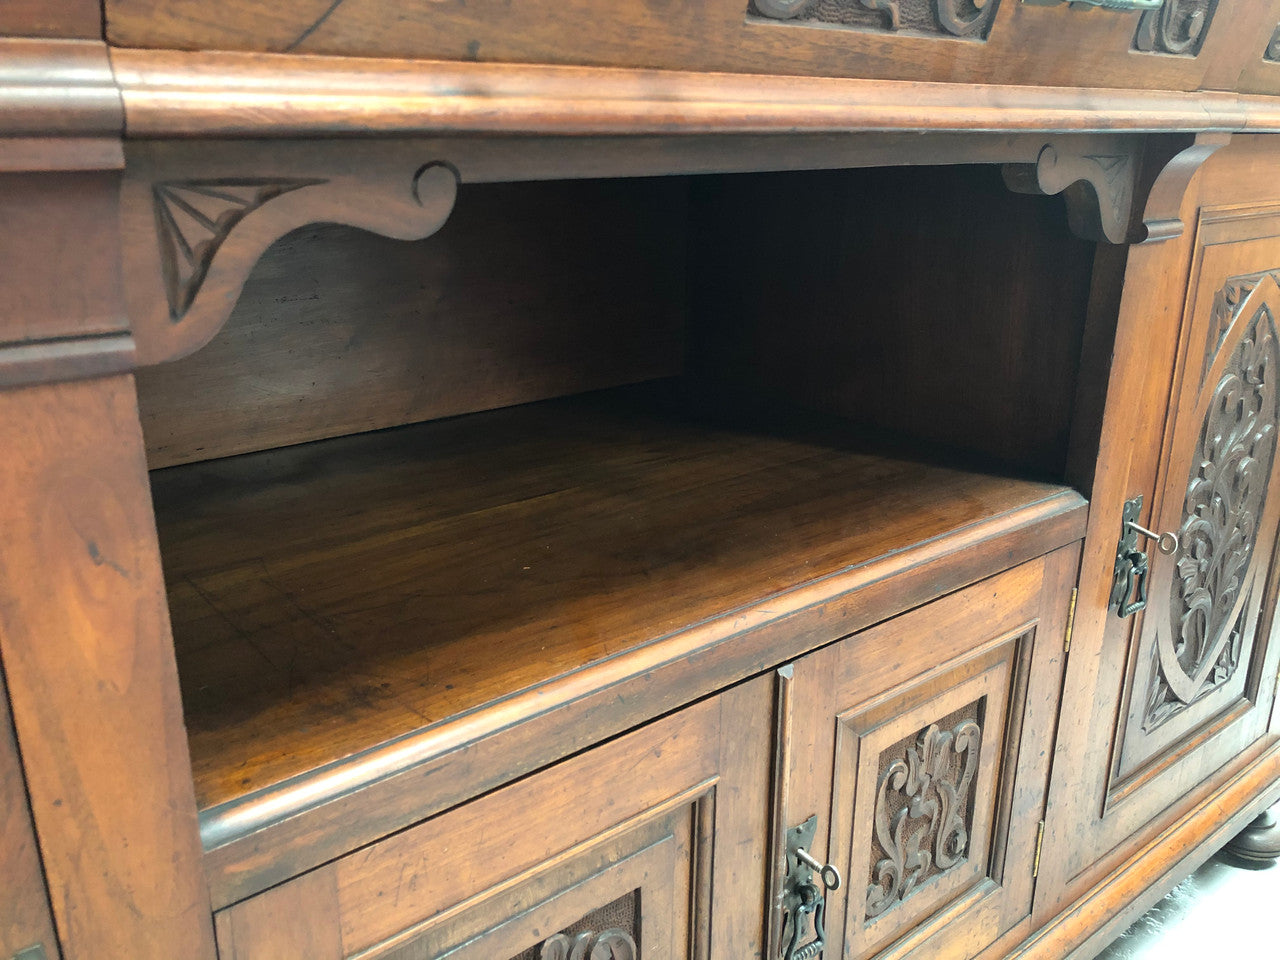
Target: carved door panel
[(923, 743), (1168, 708), (1197, 646), (26, 927), (610, 855)]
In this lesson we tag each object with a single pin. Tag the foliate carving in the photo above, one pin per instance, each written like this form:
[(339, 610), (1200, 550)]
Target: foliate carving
[(1226, 494), (1178, 27), (1273, 48), (922, 813), (607, 945), (1226, 308), (194, 217), (967, 19), (1163, 704)]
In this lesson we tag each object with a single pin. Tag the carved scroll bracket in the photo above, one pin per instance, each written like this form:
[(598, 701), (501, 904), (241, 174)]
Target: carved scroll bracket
[(1096, 175), (1163, 214), (196, 218)]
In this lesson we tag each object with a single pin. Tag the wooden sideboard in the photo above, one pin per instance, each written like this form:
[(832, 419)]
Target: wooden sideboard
[(532, 481)]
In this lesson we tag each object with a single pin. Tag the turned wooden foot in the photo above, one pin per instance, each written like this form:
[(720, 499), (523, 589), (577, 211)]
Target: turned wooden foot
[(1258, 844)]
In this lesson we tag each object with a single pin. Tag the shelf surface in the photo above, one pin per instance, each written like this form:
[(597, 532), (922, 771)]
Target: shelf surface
[(329, 597)]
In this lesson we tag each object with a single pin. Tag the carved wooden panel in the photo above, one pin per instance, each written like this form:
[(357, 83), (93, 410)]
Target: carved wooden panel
[(923, 812), (965, 19), (1176, 28), (1196, 639), (1226, 494)]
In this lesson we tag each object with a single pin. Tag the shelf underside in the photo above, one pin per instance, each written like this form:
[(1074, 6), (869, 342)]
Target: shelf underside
[(329, 597)]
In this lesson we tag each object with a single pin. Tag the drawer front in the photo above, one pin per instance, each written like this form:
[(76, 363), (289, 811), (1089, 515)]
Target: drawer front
[(611, 854), (972, 41), (924, 744)]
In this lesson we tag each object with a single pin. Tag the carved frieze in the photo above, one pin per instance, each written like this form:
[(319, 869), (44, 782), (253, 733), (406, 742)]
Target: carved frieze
[(194, 217), (1200, 648), (965, 19), (1178, 27), (923, 811)]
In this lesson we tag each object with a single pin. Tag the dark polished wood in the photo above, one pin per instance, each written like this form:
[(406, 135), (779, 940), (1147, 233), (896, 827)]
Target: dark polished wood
[(845, 321)]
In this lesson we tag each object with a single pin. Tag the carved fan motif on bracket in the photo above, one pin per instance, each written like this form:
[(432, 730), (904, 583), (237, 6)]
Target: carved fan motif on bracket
[(194, 217)]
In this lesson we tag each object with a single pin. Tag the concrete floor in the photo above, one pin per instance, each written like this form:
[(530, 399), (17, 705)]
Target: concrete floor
[(1220, 912)]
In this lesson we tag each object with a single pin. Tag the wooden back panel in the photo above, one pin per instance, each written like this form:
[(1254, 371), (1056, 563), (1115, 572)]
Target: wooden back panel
[(531, 291), (928, 303)]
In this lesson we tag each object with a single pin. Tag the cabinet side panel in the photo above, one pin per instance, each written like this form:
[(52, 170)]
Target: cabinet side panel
[(24, 907), (84, 633)]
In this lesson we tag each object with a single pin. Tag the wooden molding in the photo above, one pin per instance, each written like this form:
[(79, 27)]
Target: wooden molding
[(62, 88), (222, 94), (1097, 178), (192, 232)]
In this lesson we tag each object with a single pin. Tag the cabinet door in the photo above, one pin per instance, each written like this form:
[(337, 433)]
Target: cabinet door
[(1168, 705), (26, 928), (924, 744), (612, 855), (1197, 649)]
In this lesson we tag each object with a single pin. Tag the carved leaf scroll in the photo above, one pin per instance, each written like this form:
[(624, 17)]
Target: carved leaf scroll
[(607, 945), (1200, 647), (922, 812), (194, 217), (964, 19), (1178, 27)]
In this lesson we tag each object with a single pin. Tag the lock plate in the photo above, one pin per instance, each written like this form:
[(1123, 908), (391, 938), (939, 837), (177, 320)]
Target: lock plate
[(1129, 588), (804, 904)]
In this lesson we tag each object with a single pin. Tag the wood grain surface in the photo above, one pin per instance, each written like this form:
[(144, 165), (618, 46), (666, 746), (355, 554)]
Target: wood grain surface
[(328, 597), (25, 916), (38, 18), (228, 94), (1026, 44), (84, 633)]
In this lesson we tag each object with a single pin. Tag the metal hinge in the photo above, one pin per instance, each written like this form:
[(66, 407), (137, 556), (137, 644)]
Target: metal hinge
[(1035, 867), (1071, 619)]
